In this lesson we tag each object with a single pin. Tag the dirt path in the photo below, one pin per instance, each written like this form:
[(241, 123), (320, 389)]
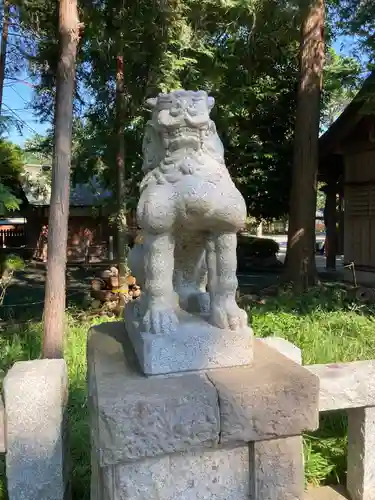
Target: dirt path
[(25, 296)]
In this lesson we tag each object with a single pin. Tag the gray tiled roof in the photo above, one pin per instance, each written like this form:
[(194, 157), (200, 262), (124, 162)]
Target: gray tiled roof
[(38, 191)]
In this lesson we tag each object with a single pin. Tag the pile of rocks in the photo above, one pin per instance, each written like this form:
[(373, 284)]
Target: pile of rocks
[(107, 295)]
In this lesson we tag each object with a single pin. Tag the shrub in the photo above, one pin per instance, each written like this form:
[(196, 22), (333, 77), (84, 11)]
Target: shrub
[(258, 247), (8, 265), (263, 247), (13, 262)]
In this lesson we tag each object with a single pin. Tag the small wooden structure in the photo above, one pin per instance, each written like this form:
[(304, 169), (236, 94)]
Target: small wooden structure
[(89, 228), (88, 219), (347, 166)]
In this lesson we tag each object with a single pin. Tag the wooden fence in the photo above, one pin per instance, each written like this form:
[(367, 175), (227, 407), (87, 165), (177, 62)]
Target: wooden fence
[(12, 238)]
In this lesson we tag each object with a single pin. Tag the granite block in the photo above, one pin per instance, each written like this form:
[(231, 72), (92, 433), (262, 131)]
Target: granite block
[(274, 397), (284, 347), (35, 400), (201, 475), (342, 385), (279, 470), (140, 417), (360, 479), (279, 467)]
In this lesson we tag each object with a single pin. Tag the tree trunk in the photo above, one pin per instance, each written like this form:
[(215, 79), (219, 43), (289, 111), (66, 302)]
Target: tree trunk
[(300, 267), (3, 49), (121, 183), (54, 308)]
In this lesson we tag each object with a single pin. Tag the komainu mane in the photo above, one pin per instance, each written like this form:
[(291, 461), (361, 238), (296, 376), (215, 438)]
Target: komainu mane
[(189, 211)]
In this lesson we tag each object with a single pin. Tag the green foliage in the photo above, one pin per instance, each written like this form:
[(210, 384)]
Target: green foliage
[(323, 322), (244, 53), (258, 247), (325, 451), (11, 262), (356, 18), (24, 34), (8, 202), (8, 265), (341, 83), (11, 167), (321, 197), (11, 161), (39, 149)]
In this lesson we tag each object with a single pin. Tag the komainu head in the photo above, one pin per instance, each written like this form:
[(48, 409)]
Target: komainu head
[(180, 120), (182, 108)]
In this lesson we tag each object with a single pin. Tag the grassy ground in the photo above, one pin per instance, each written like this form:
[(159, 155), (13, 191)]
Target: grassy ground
[(328, 328), (323, 323)]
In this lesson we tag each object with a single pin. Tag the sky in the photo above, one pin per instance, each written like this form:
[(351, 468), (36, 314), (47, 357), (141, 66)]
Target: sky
[(18, 95), (16, 102)]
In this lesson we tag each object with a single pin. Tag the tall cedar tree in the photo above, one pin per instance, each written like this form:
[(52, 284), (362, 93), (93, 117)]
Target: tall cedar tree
[(3, 49), (54, 308), (300, 266), (120, 164)]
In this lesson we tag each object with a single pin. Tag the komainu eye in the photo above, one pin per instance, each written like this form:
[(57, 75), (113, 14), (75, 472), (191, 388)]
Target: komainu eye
[(176, 110), (192, 109)]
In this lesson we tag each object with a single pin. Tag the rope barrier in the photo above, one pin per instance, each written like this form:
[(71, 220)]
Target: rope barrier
[(24, 247), (41, 301)]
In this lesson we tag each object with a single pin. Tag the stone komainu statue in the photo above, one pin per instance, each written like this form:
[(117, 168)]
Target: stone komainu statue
[(189, 211)]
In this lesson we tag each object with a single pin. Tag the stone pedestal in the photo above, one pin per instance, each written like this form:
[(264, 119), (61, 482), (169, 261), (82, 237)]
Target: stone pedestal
[(197, 345), (37, 458), (191, 436)]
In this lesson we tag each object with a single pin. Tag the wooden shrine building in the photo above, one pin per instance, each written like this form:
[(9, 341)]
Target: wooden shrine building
[(347, 167)]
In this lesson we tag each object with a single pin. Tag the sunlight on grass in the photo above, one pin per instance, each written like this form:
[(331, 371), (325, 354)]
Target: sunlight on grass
[(327, 327), (323, 323)]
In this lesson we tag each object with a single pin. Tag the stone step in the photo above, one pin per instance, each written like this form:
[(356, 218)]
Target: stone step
[(327, 493)]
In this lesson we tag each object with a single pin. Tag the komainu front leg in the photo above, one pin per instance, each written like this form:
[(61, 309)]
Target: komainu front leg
[(160, 300), (225, 312)]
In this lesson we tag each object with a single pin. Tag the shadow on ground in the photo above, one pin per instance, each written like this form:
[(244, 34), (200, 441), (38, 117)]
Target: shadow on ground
[(25, 296)]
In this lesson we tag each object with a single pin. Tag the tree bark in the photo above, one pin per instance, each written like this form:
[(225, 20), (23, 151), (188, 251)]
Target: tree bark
[(3, 49), (121, 181), (300, 267), (55, 296)]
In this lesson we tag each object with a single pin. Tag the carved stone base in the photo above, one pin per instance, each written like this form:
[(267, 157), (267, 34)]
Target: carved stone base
[(198, 345), (215, 435)]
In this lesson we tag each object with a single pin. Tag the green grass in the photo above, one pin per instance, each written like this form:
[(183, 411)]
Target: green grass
[(328, 328), (323, 323)]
